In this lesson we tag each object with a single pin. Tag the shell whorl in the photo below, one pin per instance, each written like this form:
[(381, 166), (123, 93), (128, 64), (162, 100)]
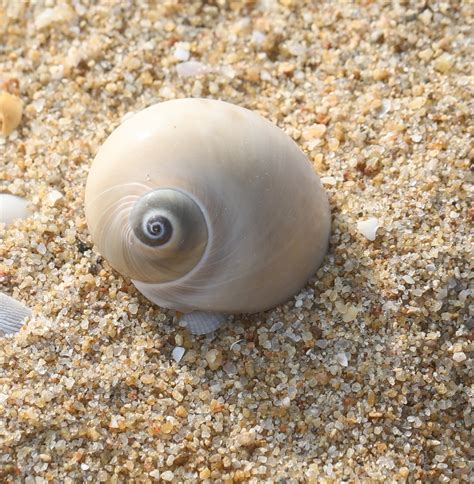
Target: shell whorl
[(260, 218), (156, 237)]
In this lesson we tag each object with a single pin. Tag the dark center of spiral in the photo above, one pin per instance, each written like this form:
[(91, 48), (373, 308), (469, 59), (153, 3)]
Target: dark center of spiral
[(159, 229)]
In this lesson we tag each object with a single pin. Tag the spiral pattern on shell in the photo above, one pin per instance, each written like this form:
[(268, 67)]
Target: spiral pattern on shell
[(207, 206)]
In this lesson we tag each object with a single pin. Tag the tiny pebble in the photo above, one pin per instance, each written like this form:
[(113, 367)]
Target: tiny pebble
[(322, 343), (328, 180), (314, 131), (459, 357), (214, 359), (181, 51), (444, 63), (350, 313), (246, 439), (230, 368), (341, 358), (133, 308), (191, 68), (148, 379), (54, 196), (41, 248), (167, 476)]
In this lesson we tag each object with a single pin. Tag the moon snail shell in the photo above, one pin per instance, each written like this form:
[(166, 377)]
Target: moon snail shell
[(207, 206)]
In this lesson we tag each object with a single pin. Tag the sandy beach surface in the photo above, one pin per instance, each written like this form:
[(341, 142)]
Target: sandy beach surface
[(366, 374)]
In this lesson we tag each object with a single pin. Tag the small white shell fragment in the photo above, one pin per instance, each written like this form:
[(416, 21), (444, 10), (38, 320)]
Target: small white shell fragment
[(178, 353), (12, 314), (341, 358), (12, 208), (368, 228), (191, 68), (201, 322), (181, 51), (235, 343), (384, 108)]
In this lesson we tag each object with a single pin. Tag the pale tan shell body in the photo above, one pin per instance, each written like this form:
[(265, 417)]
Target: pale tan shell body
[(265, 211)]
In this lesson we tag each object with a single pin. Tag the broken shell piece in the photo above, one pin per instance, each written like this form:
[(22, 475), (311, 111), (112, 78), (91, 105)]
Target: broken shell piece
[(12, 314), (11, 109), (368, 228), (191, 68), (12, 208), (201, 322), (178, 353)]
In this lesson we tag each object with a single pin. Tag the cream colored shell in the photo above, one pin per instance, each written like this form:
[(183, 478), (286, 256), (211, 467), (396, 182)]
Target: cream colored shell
[(13, 207), (257, 218)]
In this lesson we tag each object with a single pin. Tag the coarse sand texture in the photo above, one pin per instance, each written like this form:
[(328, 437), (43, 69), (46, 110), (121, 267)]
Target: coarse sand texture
[(366, 374)]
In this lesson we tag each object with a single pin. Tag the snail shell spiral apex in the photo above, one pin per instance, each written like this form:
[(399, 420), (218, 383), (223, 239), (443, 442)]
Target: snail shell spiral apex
[(207, 206)]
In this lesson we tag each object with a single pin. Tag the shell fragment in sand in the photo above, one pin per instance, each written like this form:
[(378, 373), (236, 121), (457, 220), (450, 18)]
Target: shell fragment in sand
[(368, 228), (12, 208), (201, 322), (12, 314)]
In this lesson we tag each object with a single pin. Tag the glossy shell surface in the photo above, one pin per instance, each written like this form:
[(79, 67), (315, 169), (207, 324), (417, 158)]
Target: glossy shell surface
[(250, 218)]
